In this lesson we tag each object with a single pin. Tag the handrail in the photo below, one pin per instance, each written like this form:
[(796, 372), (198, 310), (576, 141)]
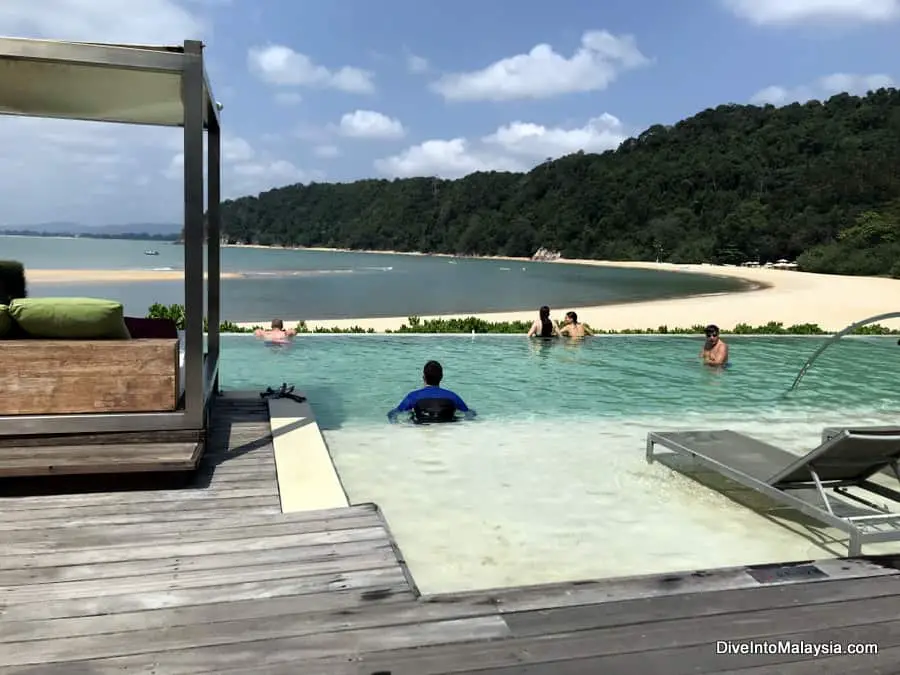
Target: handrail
[(834, 338)]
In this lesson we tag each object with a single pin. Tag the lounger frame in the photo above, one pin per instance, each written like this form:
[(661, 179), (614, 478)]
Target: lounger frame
[(855, 526)]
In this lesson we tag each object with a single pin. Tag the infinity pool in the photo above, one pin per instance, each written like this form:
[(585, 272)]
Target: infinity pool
[(550, 483)]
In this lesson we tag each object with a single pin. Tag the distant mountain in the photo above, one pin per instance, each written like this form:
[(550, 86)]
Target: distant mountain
[(60, 228)]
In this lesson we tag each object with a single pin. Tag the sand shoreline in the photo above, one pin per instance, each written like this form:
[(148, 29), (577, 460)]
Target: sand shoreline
[(788, 297)]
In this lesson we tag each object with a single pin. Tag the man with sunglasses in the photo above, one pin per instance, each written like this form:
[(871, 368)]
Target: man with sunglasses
[(714, 352)]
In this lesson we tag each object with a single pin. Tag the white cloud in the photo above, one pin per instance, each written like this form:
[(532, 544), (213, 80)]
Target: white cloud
[(282, 66), (370, 124), (288, 98), (543, 73), (602, 133), (514, 147), (144, 22), (326, 151), (417, 64), (445, 159), (783, 12), (245, 170), (823, 88)]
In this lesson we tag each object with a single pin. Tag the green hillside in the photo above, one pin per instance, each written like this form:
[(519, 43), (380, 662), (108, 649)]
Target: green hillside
[(817, 182)]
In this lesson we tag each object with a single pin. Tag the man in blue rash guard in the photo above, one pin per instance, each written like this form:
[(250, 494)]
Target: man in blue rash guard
[(432, 403)]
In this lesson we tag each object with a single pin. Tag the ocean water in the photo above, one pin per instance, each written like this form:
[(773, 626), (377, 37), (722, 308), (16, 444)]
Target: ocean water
[(550, 483), (306, 285)]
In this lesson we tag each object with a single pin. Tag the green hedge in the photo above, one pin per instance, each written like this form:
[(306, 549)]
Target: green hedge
[(473, 324)]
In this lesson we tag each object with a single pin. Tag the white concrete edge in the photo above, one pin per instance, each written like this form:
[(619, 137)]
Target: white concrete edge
[(307, 477)]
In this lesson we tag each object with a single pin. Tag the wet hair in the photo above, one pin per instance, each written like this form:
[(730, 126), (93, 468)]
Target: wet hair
[(711, 330), (573, 316), (277, 324), (433, 373), (544, 312)]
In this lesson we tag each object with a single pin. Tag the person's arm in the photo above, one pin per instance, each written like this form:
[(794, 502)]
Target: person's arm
[(290, 332), (533, 330), (720, 357), (404, 406), (555, 329), (463, 408), (564, 331)]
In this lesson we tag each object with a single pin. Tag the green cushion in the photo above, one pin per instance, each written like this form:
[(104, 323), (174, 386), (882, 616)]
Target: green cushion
[(70, 318), (5, 321)]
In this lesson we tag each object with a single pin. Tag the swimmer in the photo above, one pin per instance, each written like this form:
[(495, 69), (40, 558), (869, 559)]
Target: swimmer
[(714, 352), (276, 335), (574, 329), (543, 327), (432, 403)]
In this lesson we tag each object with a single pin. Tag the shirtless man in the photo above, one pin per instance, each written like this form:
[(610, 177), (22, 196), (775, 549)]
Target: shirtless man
[(276, 334), (574, 329), (714, 352)]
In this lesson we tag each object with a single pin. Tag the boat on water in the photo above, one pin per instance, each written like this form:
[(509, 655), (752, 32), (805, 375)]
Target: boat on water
[(151, 252)]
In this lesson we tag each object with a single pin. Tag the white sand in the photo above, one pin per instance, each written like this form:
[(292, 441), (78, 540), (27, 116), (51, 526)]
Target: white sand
[(789, 297)]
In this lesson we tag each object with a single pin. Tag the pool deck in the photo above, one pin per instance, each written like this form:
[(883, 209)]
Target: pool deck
[(215, 577)]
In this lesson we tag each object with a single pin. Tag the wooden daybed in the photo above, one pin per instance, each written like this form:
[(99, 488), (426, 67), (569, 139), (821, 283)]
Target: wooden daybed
[(141, 371)]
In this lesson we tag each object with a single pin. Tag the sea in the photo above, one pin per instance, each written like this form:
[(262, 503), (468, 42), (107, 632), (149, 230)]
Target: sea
[(309, 285)]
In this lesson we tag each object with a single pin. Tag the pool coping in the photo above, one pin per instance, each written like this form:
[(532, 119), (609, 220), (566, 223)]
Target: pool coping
[(307, 477)]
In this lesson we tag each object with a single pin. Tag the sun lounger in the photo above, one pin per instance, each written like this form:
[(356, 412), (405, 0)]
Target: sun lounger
[(815, 484)]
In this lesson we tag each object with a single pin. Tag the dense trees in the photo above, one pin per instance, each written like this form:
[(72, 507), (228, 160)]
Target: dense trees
[(819, 182)]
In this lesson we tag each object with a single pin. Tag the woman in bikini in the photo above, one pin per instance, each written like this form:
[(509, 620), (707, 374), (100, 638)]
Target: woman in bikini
[(543, 327)]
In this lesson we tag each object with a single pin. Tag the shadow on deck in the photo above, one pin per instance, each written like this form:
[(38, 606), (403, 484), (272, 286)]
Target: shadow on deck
[(214, 578)]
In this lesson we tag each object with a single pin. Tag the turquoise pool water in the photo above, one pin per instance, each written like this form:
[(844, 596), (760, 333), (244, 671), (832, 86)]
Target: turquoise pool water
[(550, 483)]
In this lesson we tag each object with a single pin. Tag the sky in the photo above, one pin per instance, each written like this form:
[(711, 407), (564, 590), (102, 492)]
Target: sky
[(339, 90)]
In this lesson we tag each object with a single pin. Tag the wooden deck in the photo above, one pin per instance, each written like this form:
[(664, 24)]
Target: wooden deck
[(214, 578)]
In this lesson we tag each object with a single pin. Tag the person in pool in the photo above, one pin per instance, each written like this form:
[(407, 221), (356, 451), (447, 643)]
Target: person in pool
[(714, 352), (276, 335), (432, 403), (543, 327), (573, 329)]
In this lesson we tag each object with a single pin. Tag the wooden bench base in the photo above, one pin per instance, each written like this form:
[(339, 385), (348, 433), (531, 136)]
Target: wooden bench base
[(51, 460)]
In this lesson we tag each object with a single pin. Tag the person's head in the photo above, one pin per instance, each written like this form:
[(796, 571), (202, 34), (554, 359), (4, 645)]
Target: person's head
[(571, 317), (432, 373), (712, 334), (544, 313), (277, 324)]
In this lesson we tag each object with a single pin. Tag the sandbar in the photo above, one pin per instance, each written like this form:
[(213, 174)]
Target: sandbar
[(47, 276)]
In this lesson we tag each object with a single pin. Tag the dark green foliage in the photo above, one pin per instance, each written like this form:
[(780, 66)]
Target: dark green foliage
[(12, 281), (475, 325), (818, 181)]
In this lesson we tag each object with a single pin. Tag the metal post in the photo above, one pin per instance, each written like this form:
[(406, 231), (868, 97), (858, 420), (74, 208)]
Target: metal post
[(214, 233), (194, 100)]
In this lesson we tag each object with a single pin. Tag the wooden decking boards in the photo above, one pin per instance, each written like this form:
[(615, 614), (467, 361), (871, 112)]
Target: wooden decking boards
[(214, 578)]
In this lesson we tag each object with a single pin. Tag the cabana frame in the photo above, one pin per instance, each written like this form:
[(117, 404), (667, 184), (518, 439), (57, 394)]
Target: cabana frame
[(148, 85)]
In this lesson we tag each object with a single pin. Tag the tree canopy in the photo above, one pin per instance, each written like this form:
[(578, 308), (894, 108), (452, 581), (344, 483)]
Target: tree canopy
[(818, 182)]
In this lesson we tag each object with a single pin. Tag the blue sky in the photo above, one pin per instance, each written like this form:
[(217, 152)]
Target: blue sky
[(347, 89)]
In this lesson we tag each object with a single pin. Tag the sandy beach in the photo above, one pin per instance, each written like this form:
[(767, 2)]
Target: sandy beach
[(785, 296)]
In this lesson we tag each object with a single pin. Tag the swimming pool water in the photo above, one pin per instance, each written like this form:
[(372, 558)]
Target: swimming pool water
[(551, 483)]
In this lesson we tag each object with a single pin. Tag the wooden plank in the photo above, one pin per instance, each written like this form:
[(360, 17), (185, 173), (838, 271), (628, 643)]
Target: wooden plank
[(99, 459), (58, 540), (356, 606), (43, 502), (380, 580), (567, 594), (223, 502), (646, 610), (259, 515), (704, 659), (202, 578), (154, 551), (250, 653), (300, 555), (634, 643), (48, 377)]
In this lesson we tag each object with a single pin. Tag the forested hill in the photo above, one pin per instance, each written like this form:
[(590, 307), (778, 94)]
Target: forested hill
[(819, 182)]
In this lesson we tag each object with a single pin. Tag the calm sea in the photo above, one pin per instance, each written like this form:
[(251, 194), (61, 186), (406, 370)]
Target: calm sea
[(318, 285)]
